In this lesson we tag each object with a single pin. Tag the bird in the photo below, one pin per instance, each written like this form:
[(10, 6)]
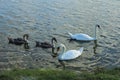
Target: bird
[(46, 44), (19, 41), (84, 37), (64, 55)]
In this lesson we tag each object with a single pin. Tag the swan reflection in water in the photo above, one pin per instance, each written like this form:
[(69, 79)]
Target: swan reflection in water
[(85, 42), (95, 46)]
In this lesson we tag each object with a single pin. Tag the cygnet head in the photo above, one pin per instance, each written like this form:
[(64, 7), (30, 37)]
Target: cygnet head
[(10, 40), (54, 39), (25, 36), (37, 44)]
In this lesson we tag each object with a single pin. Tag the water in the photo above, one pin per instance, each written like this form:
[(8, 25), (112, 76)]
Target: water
[(44, 19)]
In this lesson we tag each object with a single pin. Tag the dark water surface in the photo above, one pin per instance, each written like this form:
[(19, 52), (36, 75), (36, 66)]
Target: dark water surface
[(44, 19)]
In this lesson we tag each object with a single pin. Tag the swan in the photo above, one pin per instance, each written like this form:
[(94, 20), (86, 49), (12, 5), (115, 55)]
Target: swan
[(84, 37), (19, 41), (67, 55), (46, 44)]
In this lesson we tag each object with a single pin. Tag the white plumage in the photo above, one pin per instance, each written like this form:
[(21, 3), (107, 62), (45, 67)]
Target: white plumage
[(67, 55), (70, 54), (83, 37)]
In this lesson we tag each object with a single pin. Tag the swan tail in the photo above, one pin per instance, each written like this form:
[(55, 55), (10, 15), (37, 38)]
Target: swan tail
[(70, 34), (81, 49)]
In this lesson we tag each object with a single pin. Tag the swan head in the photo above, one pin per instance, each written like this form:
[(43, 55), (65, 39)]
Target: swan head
[(37, 44), (25, 36), (61, 46), (54, 39), (57, 49), (10, 39), (97, 25)]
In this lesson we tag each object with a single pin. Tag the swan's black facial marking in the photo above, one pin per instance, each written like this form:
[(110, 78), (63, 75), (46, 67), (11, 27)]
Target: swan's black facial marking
[(97, 25), (58, 48)]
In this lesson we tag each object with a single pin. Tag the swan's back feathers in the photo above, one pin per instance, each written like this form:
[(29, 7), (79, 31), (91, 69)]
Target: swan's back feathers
[(82, 36), (71, 54)]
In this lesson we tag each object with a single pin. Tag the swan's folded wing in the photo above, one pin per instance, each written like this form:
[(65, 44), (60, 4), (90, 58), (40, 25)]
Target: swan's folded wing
[(83, 37), (71, 54)]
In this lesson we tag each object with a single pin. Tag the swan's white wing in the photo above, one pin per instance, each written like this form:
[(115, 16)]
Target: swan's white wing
[(83, 37), (71, 54)]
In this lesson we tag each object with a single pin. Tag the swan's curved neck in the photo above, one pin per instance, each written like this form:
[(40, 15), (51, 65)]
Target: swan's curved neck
[(26, 38), (63, 49), (53, 42), (95, 33)]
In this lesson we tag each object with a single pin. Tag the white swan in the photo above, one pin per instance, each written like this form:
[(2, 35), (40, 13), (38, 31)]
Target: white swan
[(67, 55), (84, 37)]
